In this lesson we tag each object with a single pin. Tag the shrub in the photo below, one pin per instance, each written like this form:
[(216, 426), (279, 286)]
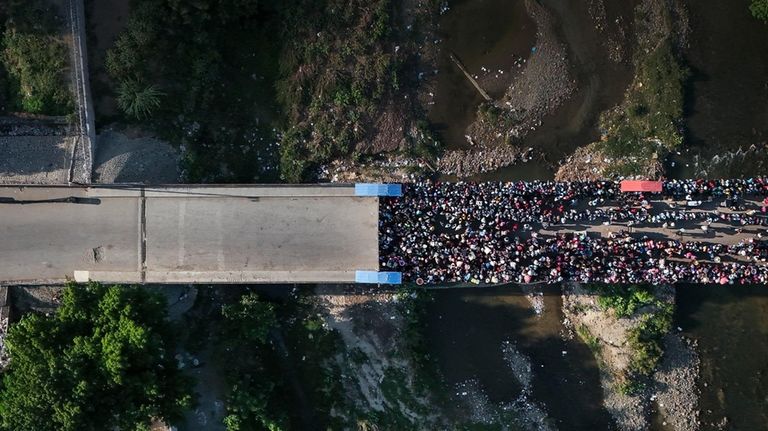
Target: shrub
[(624, 300), (759, 9), (137, 100), (648, 123), (101, 362), (646, 340), (35, 63)]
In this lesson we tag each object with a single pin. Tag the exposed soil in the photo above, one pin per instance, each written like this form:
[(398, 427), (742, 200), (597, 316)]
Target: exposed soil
[(130, 156), (630, 412), (675, 393), (372, 325), (558, 80), (35, 159), (673, 389)]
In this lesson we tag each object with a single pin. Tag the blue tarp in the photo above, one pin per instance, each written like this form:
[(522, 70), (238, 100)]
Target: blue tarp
[(377, 189), (376, 277)]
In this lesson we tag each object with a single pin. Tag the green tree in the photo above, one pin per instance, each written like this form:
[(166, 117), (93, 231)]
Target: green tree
[(137, 100), (250, 319), (103, 361), (243, 339), (759, 9)]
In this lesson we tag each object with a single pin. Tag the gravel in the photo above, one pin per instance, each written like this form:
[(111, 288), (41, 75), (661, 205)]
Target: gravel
[(676, 392), (542, 86), (546, 81), (129, 158), (464, 163), (35, 159)]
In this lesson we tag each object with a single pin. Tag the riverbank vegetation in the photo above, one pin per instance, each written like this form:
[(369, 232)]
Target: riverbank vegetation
[(102, 361), (33, 59), (200, 75), (638, 134), (650, 320), (277, 360), (759, 9), (648, 125), (333, 81), (269, 90)]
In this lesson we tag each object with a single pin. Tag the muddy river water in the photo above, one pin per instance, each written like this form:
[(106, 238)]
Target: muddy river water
[(468, 328), (493, 38)]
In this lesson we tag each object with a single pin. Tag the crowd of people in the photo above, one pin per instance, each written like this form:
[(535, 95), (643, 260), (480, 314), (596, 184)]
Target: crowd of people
[(495, 233)]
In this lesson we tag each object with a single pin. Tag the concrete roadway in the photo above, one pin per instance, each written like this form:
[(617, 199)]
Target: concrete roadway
[(216, 234)]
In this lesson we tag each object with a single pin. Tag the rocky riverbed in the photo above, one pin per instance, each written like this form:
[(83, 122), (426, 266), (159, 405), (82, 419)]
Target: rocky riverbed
[(672, 387)]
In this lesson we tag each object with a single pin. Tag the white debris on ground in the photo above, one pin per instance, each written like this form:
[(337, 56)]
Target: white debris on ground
[(4, 317), (535, 296), (530, 414), (675, 384)]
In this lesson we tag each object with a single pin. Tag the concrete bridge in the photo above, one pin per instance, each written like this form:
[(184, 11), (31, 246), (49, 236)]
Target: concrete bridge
[(186, 234)]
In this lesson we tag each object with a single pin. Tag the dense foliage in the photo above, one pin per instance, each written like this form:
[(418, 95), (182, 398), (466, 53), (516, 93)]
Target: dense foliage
[(263, 85), (199, 71), (34, 59), (269, 388), (335, 70), (624, 300), (103, 361), (245, 329), (646, 340), (759, 9), (648, 124)]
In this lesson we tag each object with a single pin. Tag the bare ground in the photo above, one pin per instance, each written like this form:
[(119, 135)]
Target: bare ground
[(371, 323), (130, 156), (542, 85), (35, 159), (673, 387)]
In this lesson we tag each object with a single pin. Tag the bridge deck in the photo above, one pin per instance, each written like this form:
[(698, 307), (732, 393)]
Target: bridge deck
[(217, 234)]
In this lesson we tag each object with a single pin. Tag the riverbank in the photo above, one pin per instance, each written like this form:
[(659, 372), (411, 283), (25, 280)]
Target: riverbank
[(638, 134), (638, 377)]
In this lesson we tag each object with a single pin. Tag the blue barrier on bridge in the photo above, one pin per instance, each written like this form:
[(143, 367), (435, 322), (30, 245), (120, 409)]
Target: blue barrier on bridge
[(377, 189), (375, 277)]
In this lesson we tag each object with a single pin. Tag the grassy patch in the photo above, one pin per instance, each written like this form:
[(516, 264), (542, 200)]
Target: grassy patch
[(264, 90), (648, 124), (34, 60), (336, 69), (646, 340), (590, 340), (624, 300)]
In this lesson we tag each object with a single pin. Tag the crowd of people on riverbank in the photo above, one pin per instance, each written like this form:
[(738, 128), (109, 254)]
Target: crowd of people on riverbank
[(491, 233)]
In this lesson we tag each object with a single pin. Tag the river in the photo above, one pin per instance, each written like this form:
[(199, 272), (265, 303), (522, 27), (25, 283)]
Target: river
[(726, 112), (507, 36), (468, 327), (731, 326)]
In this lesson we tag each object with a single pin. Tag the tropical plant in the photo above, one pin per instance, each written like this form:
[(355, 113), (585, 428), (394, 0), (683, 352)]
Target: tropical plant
[(137, 100)]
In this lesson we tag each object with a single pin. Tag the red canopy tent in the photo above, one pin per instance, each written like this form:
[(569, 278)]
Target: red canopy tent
[(641, 186)]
